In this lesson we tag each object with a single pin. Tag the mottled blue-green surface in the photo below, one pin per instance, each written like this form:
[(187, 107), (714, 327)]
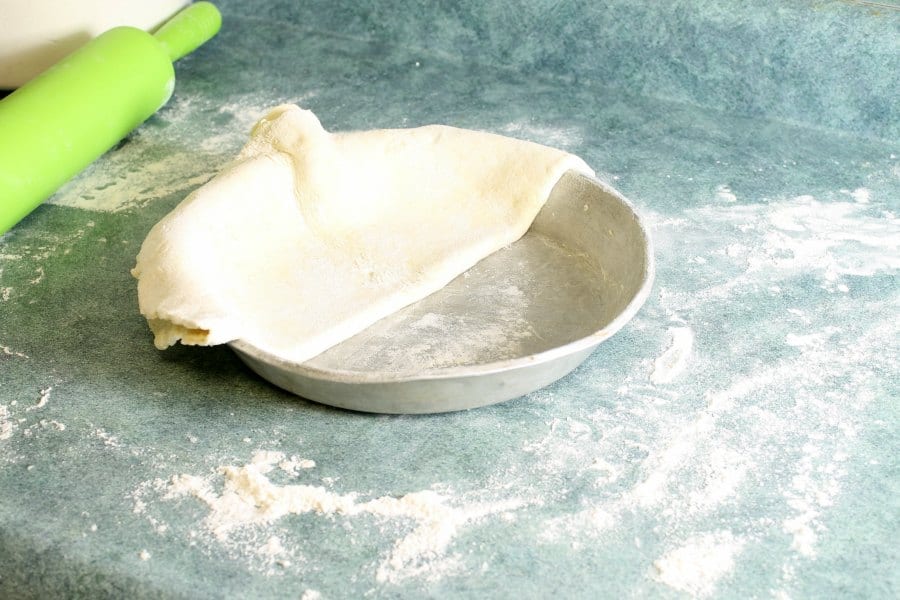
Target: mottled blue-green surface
[(760, 143), (827, 63)]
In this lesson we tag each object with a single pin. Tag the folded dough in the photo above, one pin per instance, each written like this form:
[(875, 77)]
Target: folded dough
[(309, 237)]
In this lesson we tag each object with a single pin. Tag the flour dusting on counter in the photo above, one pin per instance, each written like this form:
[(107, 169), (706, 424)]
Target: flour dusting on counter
[(24, 421), (697, 565), (169, 161), (7, 425), (566, 137), (9, 353), (249, 502), (674, 360), (723, 192), (42, 401), (688, 452)]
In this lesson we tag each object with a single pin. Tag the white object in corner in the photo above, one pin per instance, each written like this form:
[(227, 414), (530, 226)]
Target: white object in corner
[(36, 34)]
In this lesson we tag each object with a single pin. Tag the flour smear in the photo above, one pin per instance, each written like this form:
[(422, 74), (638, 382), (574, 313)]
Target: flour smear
[(675, 359), (248, 501), (25, 420), (771, 403), (699, 563), (158, 162)]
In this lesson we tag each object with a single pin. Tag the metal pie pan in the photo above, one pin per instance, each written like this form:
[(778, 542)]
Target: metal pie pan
[(517, 321)]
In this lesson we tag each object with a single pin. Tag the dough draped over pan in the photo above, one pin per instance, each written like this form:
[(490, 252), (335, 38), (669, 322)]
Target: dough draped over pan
[(309, 237)]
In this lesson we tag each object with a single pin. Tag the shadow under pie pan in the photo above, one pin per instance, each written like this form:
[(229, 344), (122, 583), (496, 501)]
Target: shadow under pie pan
[(517, 321)]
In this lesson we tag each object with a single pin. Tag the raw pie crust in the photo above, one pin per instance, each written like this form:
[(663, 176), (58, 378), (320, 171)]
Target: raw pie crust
[(309, 237)]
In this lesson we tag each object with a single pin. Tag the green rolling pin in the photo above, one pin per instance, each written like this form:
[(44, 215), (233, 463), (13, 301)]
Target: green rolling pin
[(65, 118)]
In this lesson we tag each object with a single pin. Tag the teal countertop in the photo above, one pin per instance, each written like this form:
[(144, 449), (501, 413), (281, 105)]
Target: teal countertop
[(738, 438)]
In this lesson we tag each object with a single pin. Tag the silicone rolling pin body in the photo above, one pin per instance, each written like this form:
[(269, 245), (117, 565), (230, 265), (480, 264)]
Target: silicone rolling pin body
[(60, 122)]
